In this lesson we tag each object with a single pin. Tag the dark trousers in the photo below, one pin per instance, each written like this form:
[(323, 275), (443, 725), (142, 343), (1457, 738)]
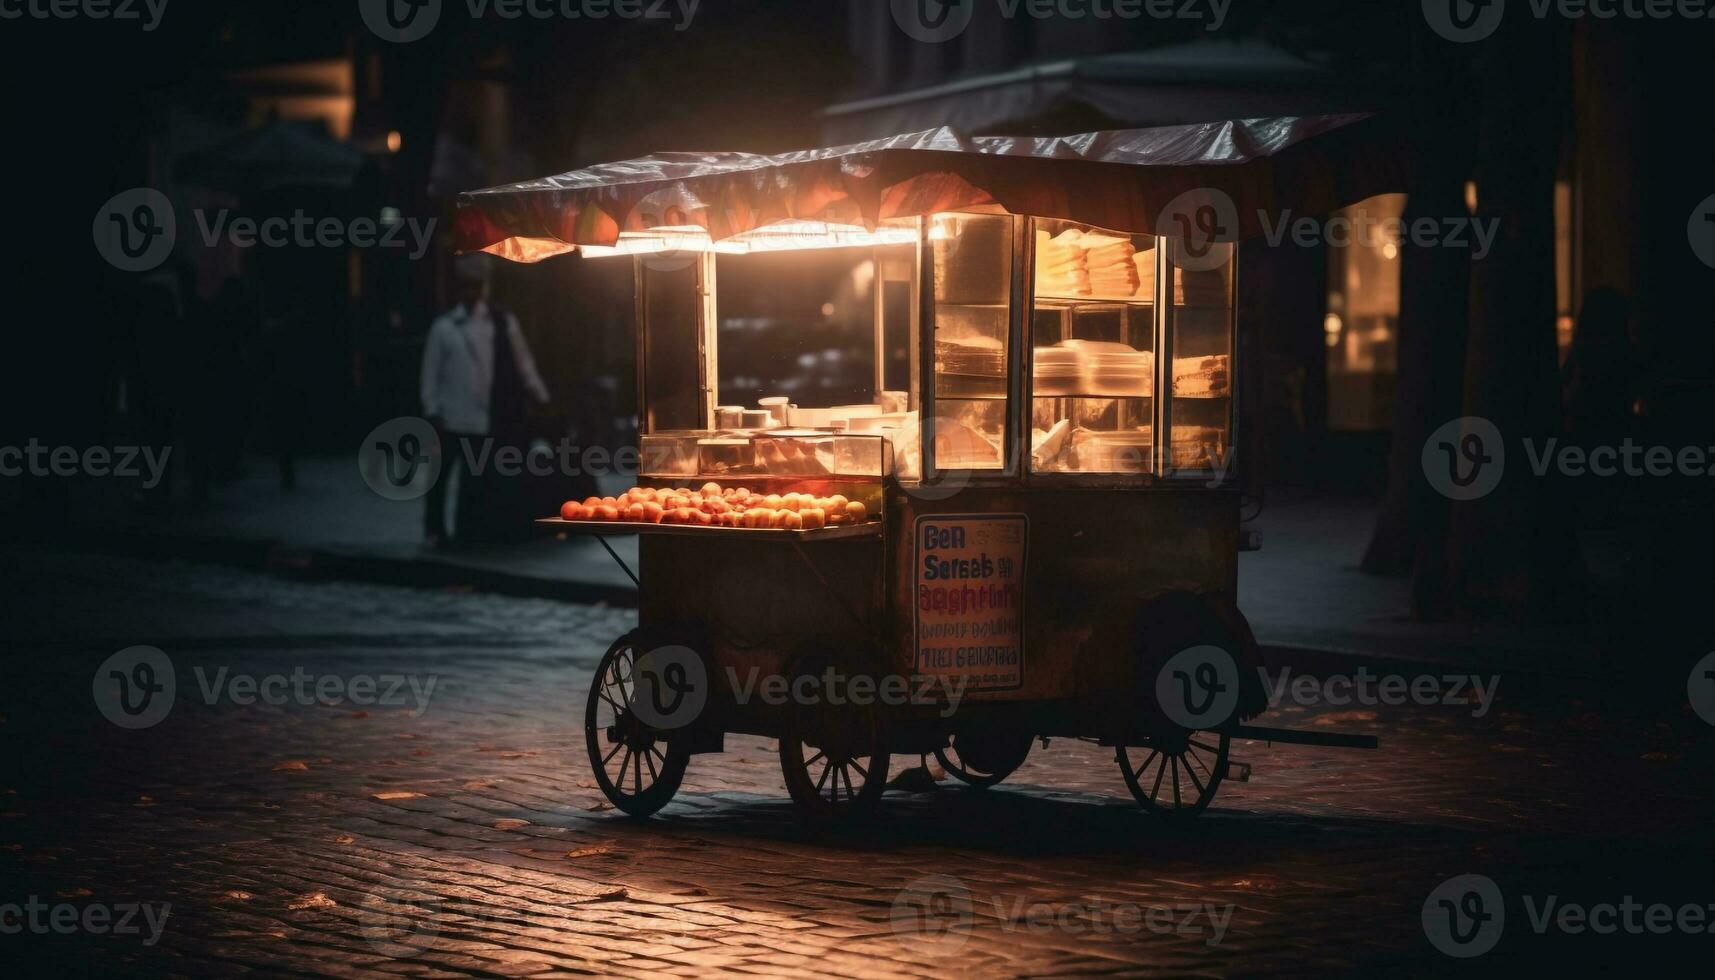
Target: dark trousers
[(457, 450)]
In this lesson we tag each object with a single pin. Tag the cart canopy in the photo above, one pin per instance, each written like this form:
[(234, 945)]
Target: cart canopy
[(1271, 169)]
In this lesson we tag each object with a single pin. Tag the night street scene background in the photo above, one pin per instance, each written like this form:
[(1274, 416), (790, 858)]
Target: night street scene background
[(859, 489)]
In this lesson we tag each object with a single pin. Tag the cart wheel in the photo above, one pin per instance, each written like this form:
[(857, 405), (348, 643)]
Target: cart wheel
[(834, 759), (638, 768), (1179, 773), (982, 760)]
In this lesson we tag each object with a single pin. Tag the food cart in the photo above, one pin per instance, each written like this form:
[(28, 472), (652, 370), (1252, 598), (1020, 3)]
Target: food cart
[(938, 437)]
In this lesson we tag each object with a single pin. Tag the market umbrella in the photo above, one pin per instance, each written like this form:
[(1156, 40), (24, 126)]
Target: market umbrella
[(1124, 180)]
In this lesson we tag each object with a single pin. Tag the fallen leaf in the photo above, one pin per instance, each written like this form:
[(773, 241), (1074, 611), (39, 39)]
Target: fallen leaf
[(586, 784), (397, 795), (74, 893), (240, 896), (313, 900), (345, 839), (599, 806), (510, 823), (584, 852), (293, 765)]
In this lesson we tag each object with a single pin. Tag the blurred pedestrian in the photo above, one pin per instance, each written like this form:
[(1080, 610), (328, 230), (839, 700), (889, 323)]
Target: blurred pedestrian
[(475, 355)]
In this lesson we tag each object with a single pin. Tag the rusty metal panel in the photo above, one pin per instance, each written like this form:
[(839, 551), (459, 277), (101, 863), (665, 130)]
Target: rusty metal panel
[(759, 602)]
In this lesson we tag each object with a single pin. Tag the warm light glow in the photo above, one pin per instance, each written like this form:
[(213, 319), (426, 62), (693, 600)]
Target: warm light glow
[(782, 236), (1331, 324), (394, 141), (1471, 196), (1390, 250)]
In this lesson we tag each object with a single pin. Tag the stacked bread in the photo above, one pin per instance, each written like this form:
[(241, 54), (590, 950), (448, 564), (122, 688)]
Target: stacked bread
[(1111, 265), (1090, 263), (1061, 269), (1201, 377)]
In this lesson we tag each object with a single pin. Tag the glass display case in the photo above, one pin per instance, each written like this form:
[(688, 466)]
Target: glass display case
[(1200, 323), (862, 358), (1092, 337), (972, 315)]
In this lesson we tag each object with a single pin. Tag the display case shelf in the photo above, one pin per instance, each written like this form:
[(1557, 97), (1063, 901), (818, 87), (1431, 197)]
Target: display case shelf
[(1133, 300)]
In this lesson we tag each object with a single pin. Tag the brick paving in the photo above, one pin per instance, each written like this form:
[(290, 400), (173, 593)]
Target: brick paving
[(470, 840)]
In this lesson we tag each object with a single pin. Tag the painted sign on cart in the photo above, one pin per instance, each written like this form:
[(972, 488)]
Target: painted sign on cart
[(970, 598)]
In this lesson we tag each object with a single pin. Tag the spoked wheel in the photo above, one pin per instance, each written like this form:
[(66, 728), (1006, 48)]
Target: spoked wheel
[(984, 759), (834, 759), (637, 767), (1178, 774)]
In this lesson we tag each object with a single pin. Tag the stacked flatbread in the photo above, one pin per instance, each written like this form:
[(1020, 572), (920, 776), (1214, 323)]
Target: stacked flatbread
[(1089, 263), (1112, 269), (1201, 377), (1061, 269)]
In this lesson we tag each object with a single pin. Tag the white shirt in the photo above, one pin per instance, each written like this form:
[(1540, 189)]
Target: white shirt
[(458, 368)]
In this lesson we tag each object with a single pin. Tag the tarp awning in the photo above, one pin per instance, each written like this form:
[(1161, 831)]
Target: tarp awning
[(1117, 179)]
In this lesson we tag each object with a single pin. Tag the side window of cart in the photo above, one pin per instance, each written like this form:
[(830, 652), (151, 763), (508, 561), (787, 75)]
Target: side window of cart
[(1202, 330), (973, 293), (1092, 337), (672, 396)]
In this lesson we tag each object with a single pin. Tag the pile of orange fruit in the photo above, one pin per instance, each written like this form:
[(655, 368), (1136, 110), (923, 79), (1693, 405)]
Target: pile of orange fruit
[(713, 506)]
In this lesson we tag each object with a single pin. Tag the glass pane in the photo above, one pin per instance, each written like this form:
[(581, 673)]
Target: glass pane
[(799, 325), (1092, 334), (973, 290), (1202, 365), (672, 393), (969, 434)]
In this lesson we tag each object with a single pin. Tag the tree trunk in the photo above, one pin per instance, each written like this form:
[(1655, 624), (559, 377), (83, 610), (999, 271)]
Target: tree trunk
[(1512, 553), (1433, 316)]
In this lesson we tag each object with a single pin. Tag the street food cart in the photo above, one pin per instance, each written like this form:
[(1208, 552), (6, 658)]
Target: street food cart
[(938, 436)]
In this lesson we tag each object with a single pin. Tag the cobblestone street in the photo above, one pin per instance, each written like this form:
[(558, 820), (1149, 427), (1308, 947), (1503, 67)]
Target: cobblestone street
[(459, 832)]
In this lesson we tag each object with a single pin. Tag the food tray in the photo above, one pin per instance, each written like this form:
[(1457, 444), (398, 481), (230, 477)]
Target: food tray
[(867, 529)]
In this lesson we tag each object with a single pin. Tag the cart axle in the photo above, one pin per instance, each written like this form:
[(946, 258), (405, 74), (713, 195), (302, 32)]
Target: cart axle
[(1288, 736)]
